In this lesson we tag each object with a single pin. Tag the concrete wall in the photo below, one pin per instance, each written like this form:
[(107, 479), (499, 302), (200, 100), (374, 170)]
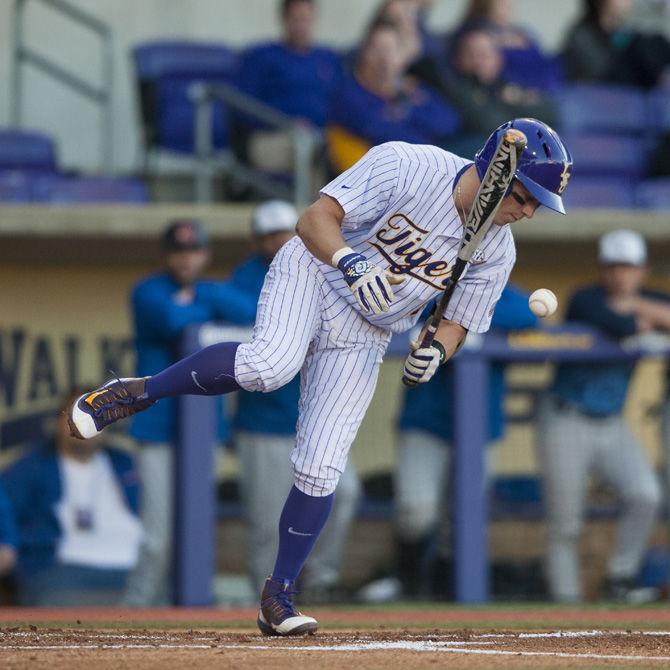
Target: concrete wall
[(75, 122)]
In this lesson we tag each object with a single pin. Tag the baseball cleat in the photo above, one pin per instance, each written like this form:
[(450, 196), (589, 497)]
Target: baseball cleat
[(117, 399), (278, 615)]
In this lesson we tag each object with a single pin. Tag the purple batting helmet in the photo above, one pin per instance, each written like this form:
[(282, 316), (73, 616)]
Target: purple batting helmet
[(545, 165)]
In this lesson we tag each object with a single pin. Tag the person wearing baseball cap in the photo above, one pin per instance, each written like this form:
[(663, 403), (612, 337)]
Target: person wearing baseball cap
[(582, 430), (264, 434), (163, 306)]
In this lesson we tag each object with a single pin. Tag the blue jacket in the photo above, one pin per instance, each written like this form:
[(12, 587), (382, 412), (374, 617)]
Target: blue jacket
[(428, 406), (159, 325), (597, 389), (420, 118), (274, 413), (33, 485), (297, 83), (8, 533)]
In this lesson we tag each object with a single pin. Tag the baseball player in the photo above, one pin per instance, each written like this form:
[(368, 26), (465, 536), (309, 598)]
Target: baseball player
[(582, 430), (264, 434), (377, 246)]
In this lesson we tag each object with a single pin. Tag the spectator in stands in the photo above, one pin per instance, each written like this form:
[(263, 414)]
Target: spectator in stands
[(163, 306), (423, 466), (8, 534), (377, 104), (476, 87), (294, 76), (265, 427), (600, 46), (75, 505), (524, 61), (581, 429)]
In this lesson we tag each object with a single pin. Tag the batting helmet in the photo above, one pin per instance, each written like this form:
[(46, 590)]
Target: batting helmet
[(545, 165)]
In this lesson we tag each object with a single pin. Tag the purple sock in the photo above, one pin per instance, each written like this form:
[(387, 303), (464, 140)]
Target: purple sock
[(302, 519), (210, 371)]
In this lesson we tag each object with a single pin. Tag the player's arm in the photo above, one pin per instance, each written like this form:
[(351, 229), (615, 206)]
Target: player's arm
[(422, 362), (320, 229)]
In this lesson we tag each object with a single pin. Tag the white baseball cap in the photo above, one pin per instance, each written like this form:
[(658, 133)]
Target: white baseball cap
[(622, 246), (274, 216)]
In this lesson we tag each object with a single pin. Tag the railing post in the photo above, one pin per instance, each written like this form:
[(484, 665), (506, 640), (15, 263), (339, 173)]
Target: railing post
[(203, 134), (470, 500), (107, 110), (303, 149), (17, 82)]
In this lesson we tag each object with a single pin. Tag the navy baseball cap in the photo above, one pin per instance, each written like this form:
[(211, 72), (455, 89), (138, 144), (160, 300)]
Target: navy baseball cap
[(184, 235)]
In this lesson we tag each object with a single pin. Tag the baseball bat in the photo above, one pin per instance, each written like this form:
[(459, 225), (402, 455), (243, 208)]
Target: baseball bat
[(490, 193)]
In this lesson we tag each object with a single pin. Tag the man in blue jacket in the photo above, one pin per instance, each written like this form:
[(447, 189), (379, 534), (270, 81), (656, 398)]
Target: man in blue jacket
[(163, 306), (423, 467), (75, 505), (265, 427), (294, 76), (582, 430)]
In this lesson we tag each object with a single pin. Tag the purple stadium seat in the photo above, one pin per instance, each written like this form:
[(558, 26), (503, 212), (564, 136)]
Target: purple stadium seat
[(14, 187), (654, 193), (607, 154), (67, 190), (599, 108), (165, 70), (23, 150), (604, 192), (659, 110)]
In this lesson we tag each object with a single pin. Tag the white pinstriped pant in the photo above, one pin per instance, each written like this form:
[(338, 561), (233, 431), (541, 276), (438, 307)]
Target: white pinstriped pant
[(303, 325)]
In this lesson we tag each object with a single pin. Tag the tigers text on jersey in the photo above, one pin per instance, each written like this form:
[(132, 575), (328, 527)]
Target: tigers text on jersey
[(400, 212)]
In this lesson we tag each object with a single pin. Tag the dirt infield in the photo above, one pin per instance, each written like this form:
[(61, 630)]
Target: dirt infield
[(35, 647)]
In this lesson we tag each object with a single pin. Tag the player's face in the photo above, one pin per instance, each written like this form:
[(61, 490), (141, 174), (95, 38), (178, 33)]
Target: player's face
[(623, 280), (518, 204), (187, 266), (299, 24), (270, 244)]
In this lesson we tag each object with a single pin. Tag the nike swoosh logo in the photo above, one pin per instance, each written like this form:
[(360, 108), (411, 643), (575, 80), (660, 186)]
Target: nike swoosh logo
[(195, 381), (296, 532)]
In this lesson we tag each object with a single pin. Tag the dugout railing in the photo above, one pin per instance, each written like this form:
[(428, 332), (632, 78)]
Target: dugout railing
[(196, 499)]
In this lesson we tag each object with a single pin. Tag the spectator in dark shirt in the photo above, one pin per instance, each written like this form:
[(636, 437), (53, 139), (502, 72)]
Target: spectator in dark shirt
[(294, 76), (582, 431), (75, 505), (525, 63), (476, 87), (601, 47), (377, 104)]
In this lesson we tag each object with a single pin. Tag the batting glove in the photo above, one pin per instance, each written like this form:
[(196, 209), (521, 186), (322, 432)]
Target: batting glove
[(370, 284), (422, 362)]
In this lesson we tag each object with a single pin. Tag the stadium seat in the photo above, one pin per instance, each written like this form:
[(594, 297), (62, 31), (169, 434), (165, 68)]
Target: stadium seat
[(654, 193), (614, 192), (659, 110), (67, 190), (601, 155), (14, 187), (164, 70), (598, 108), (23, 150)]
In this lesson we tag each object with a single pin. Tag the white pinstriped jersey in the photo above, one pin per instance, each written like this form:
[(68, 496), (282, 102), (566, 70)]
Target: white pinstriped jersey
[(400, 212)]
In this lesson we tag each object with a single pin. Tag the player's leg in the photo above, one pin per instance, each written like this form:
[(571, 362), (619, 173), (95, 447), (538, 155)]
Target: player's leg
[(287, 319), (626, 468), (266, 477), (322, 571), (337, 383), (420, 475), (564, 449)]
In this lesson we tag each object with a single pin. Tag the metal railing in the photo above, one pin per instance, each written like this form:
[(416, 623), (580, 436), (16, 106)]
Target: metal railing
[(101, 95), (304, 140)]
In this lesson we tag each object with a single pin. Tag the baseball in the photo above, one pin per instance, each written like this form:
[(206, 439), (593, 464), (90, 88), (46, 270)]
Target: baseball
[(542, 302)]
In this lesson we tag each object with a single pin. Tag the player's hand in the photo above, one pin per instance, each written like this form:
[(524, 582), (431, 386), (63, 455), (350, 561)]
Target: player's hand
[(370, 284), (422, 363)]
